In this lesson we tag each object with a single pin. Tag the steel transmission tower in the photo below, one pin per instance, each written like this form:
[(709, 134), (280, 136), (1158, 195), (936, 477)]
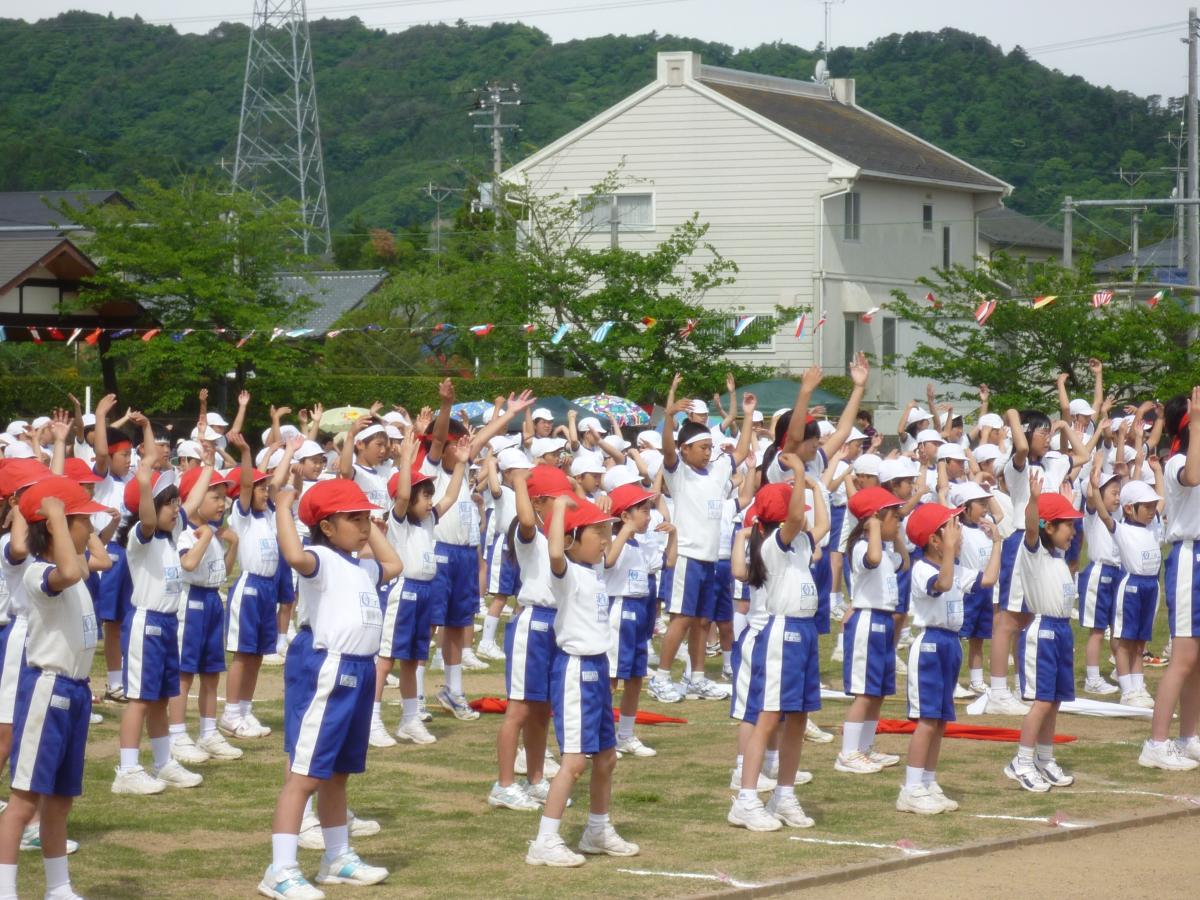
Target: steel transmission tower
[(279, 138)]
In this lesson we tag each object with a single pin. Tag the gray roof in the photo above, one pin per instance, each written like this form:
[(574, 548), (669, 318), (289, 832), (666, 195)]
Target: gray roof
[(1160, 255), (334, 293), (20, 253), (1009, 228), (37, 208), (855, 135)]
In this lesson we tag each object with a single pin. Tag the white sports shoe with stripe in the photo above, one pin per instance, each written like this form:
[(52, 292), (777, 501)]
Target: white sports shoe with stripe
[(184, 750), (177, 776), (349, 869), (919, 800), (752, 815), (1168, 756), (856, 763), (551, 850), (217, 747), (633, 746), (379, 736), (947, 804), (288, 884), (788, 811), (813, 733), (471, 662), (490, 650), (416, 732), (606, 841), (137, 781)]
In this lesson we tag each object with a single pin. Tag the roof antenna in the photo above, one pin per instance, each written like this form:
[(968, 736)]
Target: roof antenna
[(821, 72)]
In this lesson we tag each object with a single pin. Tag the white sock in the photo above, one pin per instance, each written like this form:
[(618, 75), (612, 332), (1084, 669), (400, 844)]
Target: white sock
[(1093, 673), (454, 678), (868, 736), (1126, 683), (56, 872), (207, 726), (977, 676), (281, 644), (160, 747), (489, 629), (835, 600), (726, 656), (740, 621), (411, 709), (999, 684), (625, 728), (377, 713), (247, 708), (283, 850), (1139, 681), (421, 680), (747, 794), (548, 827), (337, 841), (597, 820), (687, 668), (1024, 754), (130, 758), (851, 737), (114, 679), (928, 777), (783, 791), (738, 764), (233, 710), (912, 776), (1045, 752), (770, 759), (664, 674), (8, 882), (177, 728)]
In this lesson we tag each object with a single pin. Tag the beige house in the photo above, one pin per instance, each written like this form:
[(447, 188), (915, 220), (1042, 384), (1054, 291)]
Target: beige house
[(820, 202)]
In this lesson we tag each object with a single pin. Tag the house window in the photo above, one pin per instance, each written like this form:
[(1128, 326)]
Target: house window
[(945, 246), (635, 212), (889, 339), (927, 217), (759, 334), (849, 330), (852, 220)]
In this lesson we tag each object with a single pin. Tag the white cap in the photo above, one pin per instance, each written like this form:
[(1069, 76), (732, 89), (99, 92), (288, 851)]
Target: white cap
[(542, 446), (618, 476), (825, 428), (756, 416), (393, 433), (369, 432), (488, 414), (591, 423), (542, 413), (1115, 423), (308, 450), (168, 478), (991, 420), (698, 408), (856, 435), (900, 467), (513, 458), (17, 427), (395, 418), (1137, 491), (962, 492), (260, 459), (951, 451), (916, 414), (18, 450), (503, 442), (6, 439), (928, 434), (188, 450), (215, 418), (287, 432), (1128, 452), (586, 465), (40, 422), (89, 419), (209, 435), (622, 445), (986, 453), (276, 459), (650, 438), (654, 463), (867, 464), (1080, 408)]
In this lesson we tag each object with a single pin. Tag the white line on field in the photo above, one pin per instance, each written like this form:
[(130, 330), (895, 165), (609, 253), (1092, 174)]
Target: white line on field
[(699, 876), (1040, 820), (907, 851)]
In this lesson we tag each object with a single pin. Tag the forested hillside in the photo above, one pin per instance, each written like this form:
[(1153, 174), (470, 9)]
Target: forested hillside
[(89, 101)]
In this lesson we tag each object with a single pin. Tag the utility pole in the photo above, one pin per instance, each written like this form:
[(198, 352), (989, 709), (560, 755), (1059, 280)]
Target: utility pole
[(1193, 164), (439, 195), (614, 222), (490, 101), (1068, 230)]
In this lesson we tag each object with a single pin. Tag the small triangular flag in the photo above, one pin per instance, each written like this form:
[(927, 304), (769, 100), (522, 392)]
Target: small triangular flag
[(800, 323), (984, 311), (688, 327), (937, 304), (482, 330), (1040, 302), (149, 335), (821, 321), (743, 323), (120, 333), (242, 343), (869, 315), (56, 334), (646, 323), (74, 335), (1101, 298), (94, 337), (35, 336), (529, 327), (601, 332), (1153, 301), (276, 333), (560, 333), (334, 333)]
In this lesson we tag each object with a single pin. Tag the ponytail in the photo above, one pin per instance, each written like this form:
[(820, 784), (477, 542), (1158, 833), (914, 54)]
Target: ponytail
[(756, 569)]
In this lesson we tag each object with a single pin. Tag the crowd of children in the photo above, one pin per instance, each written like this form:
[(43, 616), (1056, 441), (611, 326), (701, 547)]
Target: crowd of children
[(364, 557)]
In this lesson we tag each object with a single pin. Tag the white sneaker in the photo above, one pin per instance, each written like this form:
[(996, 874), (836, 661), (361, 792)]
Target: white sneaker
[(177, 776), (520, 767), (252, 721), (391, 681), (905, 640), (511, 797), (95, 718), (490, 650), (856, 763), (471, 662), (288, 884), (217, 747), (770, 768), (962, 693), (1027, 776), (765, 782), (752, 815), (311, 836), (662, 690), (379, 736), (1004, 704), (423, 712), (349, 869), (137, 781), (633, 746), (947, 804), (1135, 698), (1099, 685), (883, 760), (457, 704), (1189, 749), (1168, 756), (788, 811), (606, 840), (703, 689), (184, 750), (838, 654), (1053, 773), (837, 612), (978, 688), (813, 733), (901, 666), (437, 663), (550, 765), (416, 732), (551, 850), (539, 793), (919, 800), (360, 827), (272, 659), (31, 839)]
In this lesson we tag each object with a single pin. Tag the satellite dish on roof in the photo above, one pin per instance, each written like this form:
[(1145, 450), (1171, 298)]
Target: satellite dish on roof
[(820, 72)]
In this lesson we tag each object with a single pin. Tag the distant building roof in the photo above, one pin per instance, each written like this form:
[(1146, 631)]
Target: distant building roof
[(37, 209), (333, 293), (1009, 228), (23, 253), (1153, 256)]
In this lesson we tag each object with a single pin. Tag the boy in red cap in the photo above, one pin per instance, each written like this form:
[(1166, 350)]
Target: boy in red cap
[(939, 585)]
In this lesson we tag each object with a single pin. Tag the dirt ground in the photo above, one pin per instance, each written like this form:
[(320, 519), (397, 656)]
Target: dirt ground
[(1152, 861)]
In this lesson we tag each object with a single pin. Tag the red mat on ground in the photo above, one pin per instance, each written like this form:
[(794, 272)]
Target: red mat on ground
[(968, 732), (499, 705)]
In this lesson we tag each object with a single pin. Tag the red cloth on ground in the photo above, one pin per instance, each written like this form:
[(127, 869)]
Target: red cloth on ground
[(499, 705), (969, 732)]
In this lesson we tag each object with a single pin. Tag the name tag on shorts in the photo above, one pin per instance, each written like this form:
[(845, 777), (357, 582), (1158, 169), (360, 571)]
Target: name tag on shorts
[(590, 675), (1048, 635), (154, 630), (929, 648), (196, 604), (348, 681), (441, 559), (629, 615), (792, 637), (1105, 579), (408, 595), (59, 702), (249, 592), (539, 626), (879, 628)]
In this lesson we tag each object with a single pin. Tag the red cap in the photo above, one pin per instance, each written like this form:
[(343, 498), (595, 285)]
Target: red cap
[(869, 501), (75, 500), (1053, 507), (926, 519), (234, 480), (336, 495), (547, 481), (416, 478), (188, 480), (21, 473), (79, 471), (770, 504), (133, 489), (628, 496), (583, 514)]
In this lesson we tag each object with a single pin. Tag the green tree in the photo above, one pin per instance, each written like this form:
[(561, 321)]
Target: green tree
[(1020, 350)]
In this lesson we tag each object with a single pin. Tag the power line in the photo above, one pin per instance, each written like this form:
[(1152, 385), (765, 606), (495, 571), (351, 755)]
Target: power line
[(1100, 39)]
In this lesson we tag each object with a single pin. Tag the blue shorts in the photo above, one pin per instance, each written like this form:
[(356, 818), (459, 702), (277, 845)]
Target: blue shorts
[(1010, 596), (822, 576), (745, 699), (1135, 606), (977, 614), (1097, 594), (582, 703), (11, 667), (666, 581), (250, 625), (869, 661), (294, 663), (115, 592), (904, 581), (693, 588), (1075, 548), (503, 573), (627, 618), (785, 671), (1046, 660), (934, 661), (1183, 589), (529, 652), (50, 732), (406, 626), (285, 583), (331, 702), (150, 655), (201, 649), (723, 603), (457, 599)]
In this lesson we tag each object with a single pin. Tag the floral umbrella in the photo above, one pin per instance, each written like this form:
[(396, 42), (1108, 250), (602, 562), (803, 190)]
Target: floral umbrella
[(473, 408), (626, 412), (341, 418)]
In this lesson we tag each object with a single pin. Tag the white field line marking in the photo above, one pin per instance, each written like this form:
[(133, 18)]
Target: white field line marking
[(907, 851), (1039, 820), (1180, 798), (699, 876)]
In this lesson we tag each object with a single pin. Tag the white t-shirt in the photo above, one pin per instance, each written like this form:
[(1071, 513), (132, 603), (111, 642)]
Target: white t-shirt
[(1049, 587), (1101, 546), (1139, 549), (211, 570), (790, 590), (654, 543), (976, 551), (14, 578), (373, 481), (62, 626), (342, 600), (155, 571), (1182, 503), (730, 507), (533, 560), (460, 524), (933, 609), (415, 545), (1053, 470), (258, 546), (699, 497), (628, 576), (581, 624), (109, 492), (874, 588), (591, 454)]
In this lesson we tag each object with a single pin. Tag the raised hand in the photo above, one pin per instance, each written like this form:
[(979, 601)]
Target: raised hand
[(244, 399), (811, 379), (106, 405), (749, 403), (860, 370), (446, 390)]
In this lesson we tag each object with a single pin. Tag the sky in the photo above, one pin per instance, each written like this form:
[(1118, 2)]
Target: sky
[(1098, 39)]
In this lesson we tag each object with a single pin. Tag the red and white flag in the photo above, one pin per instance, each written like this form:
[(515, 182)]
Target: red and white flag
[(821, 321), (869, 315), (1152, 302), (686, 331), (74, 335), (984, 311), (481, 330), (1101, 298), (934, 301), (35, 336), (800, 323)]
